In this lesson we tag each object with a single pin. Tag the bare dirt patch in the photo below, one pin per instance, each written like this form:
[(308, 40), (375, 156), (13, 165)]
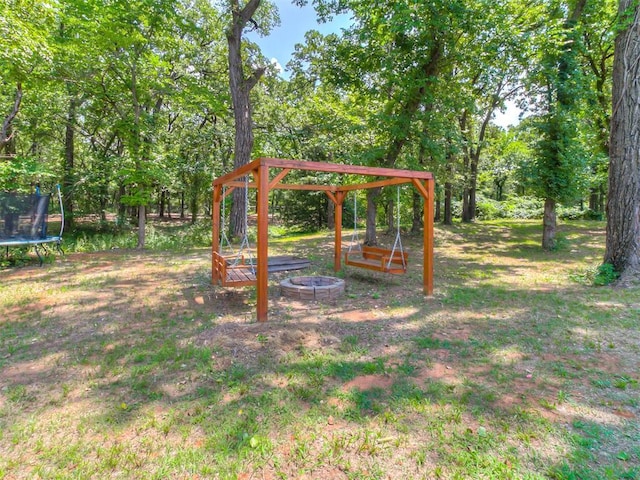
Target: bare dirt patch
[(368, 382)]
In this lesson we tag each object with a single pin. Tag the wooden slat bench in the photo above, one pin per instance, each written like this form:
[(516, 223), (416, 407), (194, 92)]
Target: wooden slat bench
[(377, 259), (230, 273)]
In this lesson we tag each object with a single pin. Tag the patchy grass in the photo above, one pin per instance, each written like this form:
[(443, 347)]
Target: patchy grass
[(131, 364)]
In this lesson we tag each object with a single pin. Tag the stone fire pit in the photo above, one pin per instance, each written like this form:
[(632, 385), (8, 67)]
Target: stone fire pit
[(312, 288)]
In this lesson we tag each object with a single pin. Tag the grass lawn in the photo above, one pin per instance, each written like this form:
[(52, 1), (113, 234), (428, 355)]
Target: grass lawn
[(126, 364)]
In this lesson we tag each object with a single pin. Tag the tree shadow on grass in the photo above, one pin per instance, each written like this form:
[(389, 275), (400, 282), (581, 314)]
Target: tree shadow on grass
[(478, 381)]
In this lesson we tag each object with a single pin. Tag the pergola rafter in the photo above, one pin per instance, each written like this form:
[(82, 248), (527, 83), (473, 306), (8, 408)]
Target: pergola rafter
[(260, 170)]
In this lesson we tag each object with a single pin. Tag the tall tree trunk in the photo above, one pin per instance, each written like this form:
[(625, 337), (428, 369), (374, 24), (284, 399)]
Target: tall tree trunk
[(141, 226), (623, 206), (448, 194), (195, 193), (390, 214), (331, 218), (558, 129), (549, 224), (370, 237), (416, 217), (405, 114), (163, 194), (240, 87), (465, 128), (473, 150), (122, 208), (600, 69), (465, 215), (69, 153), (6, 130)]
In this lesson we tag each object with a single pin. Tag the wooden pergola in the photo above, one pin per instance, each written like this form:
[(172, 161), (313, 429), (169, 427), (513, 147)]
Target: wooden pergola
[(269, 173)]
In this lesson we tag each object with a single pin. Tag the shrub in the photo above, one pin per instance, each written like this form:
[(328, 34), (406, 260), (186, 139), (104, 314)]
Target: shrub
[(524, 208), (489, 209), (605, 275), (598, 276)]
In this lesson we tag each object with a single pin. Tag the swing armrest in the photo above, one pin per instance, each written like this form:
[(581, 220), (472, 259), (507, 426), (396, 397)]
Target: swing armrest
[(222, 262)]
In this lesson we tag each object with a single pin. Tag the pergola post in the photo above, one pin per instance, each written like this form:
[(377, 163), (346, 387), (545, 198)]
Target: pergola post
[(338, 200), (262, 265), (427, 190), (428, 237)]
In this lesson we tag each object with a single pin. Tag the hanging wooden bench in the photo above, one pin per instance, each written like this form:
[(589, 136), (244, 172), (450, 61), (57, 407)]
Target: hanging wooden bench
[(228, 275), (242, 273), (377, 259)]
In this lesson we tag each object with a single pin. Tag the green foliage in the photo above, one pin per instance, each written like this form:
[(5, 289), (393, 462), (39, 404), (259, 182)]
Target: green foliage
[(599, 276), (513, 207), (525, 207), (109, 236), (192, 236), (306, 210), (559, 169), (577, 212), (148, 82), (605, 275), (20, 174)]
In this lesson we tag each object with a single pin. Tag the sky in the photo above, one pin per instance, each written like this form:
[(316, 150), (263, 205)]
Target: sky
[(296, 21), (510, 117)]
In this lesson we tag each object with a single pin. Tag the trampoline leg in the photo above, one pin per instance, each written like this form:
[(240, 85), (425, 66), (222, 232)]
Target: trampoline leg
[(39, 255)]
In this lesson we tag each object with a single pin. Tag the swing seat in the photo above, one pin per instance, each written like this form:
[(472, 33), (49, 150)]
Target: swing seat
[(379, 260), (228, 275)]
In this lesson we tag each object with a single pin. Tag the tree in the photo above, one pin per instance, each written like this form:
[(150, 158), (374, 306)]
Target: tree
[(559, 161), (24, 55), (137, 75), (597, 56), (240, 85), (623, 205), (491, 62), (390, 60), (73, 64)]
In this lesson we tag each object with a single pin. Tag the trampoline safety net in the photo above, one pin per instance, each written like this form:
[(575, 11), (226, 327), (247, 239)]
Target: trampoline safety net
[(23, 217)]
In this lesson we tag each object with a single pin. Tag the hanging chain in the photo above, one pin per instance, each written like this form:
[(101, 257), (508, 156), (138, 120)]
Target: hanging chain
[(355, 239), (398, 241)]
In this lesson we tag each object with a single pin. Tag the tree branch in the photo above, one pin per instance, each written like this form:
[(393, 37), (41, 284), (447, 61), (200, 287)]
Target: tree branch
[(254, 78), (5, 136)]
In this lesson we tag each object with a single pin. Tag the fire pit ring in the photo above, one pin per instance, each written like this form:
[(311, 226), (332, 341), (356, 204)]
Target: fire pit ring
[(312, 287)]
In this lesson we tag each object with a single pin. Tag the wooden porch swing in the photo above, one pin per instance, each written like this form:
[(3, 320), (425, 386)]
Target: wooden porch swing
[(232, 270), (394, 261), (378, 259), (238, 269)]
